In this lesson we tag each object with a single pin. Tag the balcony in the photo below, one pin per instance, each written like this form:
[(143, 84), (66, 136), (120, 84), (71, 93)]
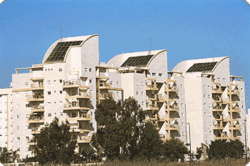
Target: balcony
[(172, 127), (216, 100), (84, 139), (218, 117), (35, 97), (153, 117), (37, 108), (151, 97), (81, 95), (224, 101), (173, 88), (150, 106), (174, 107), (84, 117), (216, 90), (160, 98), (36, 119), (70, 84), (233, 92), (35, 130), (74, 106), (37, 86), (103, 96), (222, 137), (32, 142), (235, 127), (151, 87), (217, 108), (162, 118), (106, 85), (235, 109), (218, 127)]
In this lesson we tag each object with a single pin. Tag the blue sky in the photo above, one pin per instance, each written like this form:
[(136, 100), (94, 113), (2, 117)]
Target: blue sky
[(188, 29)]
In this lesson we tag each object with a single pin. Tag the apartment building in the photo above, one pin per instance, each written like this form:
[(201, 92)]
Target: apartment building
[(70, 81), (5, 117), (160, 93), (215, 100)]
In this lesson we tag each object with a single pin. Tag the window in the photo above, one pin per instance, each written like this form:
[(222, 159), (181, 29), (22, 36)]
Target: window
[(18, 149), (18, 116), (204, 104), (17, 127), (18, 138), (90, 80), (48, 81), (136, 92), (142, 83), (117, 82), (26, 83), (153, 74), (60, 69), (49, 92), (54, 91), (49, 114), (160, 74), (60, 81), (208, 95), (49, 104), (54, 80), (181, 85), (205, 113), (45, 69), (27, 105), (204, 95), (141, 92), (0, 111), (204, 86), (90, 69), (48, 69), (86, 69), (51, 69)]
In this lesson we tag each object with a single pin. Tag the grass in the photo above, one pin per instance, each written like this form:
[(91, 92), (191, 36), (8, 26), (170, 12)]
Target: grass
[(228, 162)]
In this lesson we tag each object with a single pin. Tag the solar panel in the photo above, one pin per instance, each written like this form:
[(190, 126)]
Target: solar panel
[(199, 67), (60, 50), (137, 61)]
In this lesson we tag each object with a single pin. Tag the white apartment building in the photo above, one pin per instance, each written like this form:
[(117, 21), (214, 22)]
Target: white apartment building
[(215, 100), (70, 81)]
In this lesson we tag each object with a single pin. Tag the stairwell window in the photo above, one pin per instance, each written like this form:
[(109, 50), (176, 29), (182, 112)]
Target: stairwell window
[(60, 69)]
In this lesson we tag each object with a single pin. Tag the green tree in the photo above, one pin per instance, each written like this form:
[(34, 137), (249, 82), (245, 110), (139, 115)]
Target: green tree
[(55, 144), (5, 155), (199, 152), (218, 149), (150, 145), (122, 124), (235, 149), (175, 149), (14, 155)]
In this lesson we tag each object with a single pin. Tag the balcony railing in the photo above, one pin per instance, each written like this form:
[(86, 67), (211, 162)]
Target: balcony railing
[(35, 130), (235, 127), (160, 98), (151, 106), (106, 95), (173, 107), (32, 142), (37, 108), (105, 84), (37, 86), (151, 87), (84, 139), (172, 126), (72, 105), (217, 126), (217, 107), (162, 117), (36, 119), (216, 90), (35, 97)]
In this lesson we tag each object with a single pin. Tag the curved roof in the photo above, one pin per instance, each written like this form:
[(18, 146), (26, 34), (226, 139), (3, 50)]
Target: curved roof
[(138, 59), (198, 65), (59, 50)]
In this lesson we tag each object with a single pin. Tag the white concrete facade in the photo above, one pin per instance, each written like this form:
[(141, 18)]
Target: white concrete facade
[(215, 102), (212, 102)]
